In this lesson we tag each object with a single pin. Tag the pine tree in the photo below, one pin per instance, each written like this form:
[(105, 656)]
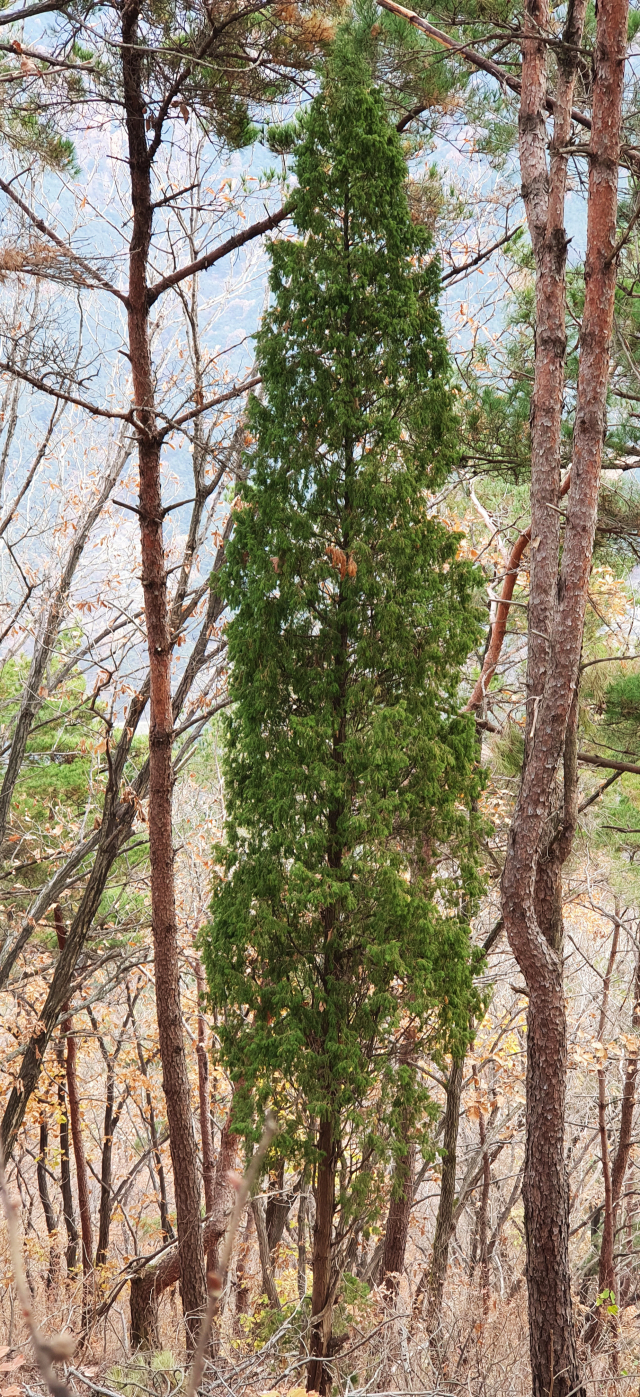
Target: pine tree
[(340, 920)]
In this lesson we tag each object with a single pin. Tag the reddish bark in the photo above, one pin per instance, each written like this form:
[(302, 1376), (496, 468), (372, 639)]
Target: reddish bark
[(154, 582), (560, 602)]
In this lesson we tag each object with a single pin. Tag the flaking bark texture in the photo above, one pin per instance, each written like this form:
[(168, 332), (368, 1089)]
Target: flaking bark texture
[(557, 607), (154, 581)]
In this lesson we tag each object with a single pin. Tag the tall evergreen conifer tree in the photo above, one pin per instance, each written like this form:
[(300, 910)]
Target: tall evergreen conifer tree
[(339, 925)]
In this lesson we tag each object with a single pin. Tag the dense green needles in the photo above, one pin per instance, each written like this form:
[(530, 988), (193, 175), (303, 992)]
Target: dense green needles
[(340, 920)]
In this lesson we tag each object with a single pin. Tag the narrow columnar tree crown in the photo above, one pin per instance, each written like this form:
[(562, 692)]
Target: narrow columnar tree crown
[(340, 921)]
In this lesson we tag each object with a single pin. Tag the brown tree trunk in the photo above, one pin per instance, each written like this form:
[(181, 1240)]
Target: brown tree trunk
[(204, 1102), (606, 1268), (623, 1151), (268, 1282), (82, 1181), (401, 1200), (556, 619), (65, 1166), (613, 1174), (302, 1239), (318, 1376), (112, 1113), (483, 1210), (144, 1331), (222, 1203), (154, 582), (51, 1221), (398, 1219), (433, 1278), (223, 1192), (278, 1205), (160, 1275), (75, 1121), (165, 1222), (104, 1217), (242, 1288)]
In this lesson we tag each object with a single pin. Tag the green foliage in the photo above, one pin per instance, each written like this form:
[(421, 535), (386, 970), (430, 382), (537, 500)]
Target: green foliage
[(623, 701), (60, 788), (340, 916), (29, 131), (507, 751)]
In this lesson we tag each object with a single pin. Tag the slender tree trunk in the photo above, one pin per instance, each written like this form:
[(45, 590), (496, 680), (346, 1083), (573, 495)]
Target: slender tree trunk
[(75, 1121), (401, 1200), (278, 1205), (318, 1378), (433, 1278), (165, 1222), (398, 1219), (82, 1181), (613, 1174), (483, 1210), (151, 1283), (606, 1269), (302, 1239), (623, 1151), (223, 1192), (204, 1101), (222, 1203), (104, 1217), (154, 582), (65, 1165), (50, 1218), (112, 1115), (556, 614), (242, 1288), (115, 829), (268, 1282)]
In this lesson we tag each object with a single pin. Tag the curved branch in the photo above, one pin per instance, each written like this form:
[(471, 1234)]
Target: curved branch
[(499, 626)]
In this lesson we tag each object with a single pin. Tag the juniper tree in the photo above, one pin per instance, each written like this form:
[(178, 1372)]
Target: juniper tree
[(339, 929)]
